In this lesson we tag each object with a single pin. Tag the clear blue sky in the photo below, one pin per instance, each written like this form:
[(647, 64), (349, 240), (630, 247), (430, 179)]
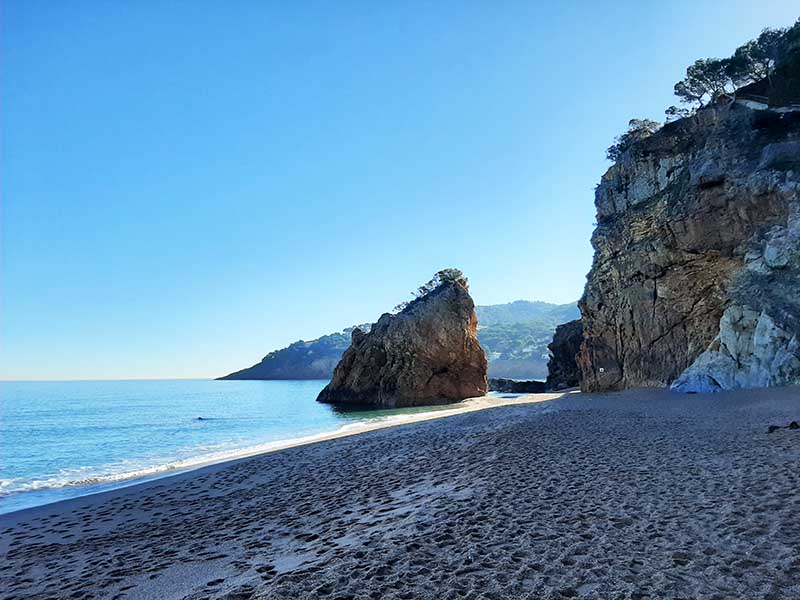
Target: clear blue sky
[(188, 185)]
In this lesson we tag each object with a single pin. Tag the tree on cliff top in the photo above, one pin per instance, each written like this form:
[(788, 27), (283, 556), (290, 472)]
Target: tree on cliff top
[(638, 129), (708, 79), (759, 57), (443, 276), (439, 278)]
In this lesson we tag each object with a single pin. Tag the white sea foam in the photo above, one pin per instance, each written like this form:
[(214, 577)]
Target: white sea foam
[(131, 470)]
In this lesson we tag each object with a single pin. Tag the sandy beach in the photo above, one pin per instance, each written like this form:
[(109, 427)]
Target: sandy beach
[(641, 494)]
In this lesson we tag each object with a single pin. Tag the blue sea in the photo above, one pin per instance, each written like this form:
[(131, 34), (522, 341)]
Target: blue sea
[(59, 440)]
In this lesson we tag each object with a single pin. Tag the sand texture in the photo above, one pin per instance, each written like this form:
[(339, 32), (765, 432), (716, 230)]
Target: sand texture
[(644, 494)]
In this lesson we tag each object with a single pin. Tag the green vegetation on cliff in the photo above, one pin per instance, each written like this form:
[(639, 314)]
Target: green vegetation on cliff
[(764, 70), (314, 359)]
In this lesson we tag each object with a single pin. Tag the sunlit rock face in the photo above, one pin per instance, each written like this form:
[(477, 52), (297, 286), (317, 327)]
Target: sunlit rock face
[(757, 344), (426, 354), (696, 281)]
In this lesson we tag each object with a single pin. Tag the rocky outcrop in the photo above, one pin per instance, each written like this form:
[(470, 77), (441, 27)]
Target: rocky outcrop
[(563, 369), (749, 351), (757, 344), (426, 354), (513, 386), (695, 278)]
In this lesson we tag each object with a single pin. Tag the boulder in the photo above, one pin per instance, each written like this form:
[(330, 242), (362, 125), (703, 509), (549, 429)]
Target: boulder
[(428, 353), (749, 351), (563, 370)]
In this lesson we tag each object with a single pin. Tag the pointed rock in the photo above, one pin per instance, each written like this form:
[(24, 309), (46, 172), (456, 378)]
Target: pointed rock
[(428, 353)]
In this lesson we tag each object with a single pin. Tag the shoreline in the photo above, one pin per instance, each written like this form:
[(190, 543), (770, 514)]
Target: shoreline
[(636, 494), (462, 407)]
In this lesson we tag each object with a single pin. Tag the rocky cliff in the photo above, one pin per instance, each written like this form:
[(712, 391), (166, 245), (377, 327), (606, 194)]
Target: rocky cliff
[(696, 274), (427, 353), (563, 369)]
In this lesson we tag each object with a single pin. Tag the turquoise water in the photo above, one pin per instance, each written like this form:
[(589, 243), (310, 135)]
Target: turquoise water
[(65, 439)]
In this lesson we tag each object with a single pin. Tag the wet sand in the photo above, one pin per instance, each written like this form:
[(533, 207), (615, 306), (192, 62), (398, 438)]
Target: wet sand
[(643, 494)]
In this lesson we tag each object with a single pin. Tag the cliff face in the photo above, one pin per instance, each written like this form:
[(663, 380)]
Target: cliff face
[(428, 353), (696, 275), (563, 369)]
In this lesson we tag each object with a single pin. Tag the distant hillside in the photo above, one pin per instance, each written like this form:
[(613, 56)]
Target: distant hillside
[(523, 311), (514, 335), (314, 359)]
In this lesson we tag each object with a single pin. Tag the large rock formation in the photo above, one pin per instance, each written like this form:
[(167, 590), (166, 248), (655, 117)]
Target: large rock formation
[(426, 354), (563, 369), (696, 273)]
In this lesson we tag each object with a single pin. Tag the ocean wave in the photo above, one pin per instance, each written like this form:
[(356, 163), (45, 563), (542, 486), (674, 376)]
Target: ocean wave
[(129, 471)]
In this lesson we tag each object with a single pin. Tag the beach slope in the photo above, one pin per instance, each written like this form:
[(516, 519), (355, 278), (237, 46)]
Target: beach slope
[(639, 494)]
